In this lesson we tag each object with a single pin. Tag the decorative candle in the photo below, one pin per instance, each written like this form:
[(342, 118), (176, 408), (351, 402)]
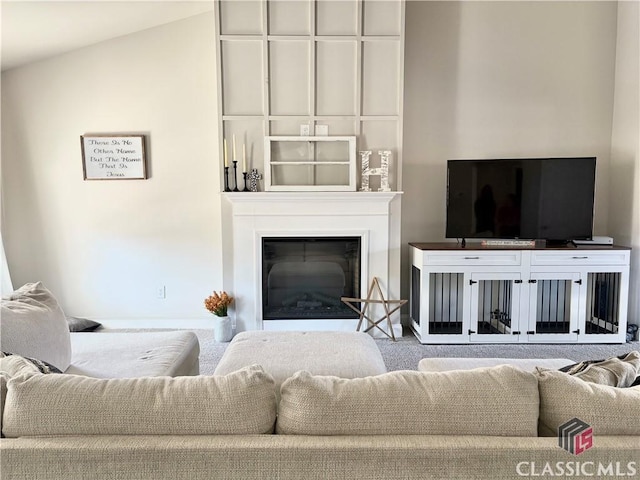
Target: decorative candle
[(226, 161), (234, 147), (244, 159)]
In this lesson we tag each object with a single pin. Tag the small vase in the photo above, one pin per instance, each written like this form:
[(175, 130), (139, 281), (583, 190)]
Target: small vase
[(222, 329)]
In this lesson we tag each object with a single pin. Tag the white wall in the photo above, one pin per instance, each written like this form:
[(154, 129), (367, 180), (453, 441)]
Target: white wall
[(105, 247), (501, 79), (624, 203), (483, 79)]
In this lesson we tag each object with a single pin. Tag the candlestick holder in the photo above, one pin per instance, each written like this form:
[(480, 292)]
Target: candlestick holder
[(235, 176), (226, 179), (246, 189)]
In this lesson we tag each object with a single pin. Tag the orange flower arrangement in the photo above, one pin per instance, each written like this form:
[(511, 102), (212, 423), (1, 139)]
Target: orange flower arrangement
[(218, 303)]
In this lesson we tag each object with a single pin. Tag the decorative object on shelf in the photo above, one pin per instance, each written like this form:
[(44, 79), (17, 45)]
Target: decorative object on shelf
[(254, 176), (226, 168), (364, 162), (385, 155), (226, 179), (382, 171), (108, 156), (244, 158), (244, 168), (496, 242), (235, 176), (365, 302), (217, 303), (235, 165), (234, 161), (310, 163)]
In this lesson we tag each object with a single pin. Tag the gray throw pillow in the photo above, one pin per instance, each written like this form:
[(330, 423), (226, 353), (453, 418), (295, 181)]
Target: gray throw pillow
[(9, 362), (609, 410), (77, 324), (619, 371)]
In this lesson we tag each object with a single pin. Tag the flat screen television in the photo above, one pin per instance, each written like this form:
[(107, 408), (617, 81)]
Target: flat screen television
[(535, 198)]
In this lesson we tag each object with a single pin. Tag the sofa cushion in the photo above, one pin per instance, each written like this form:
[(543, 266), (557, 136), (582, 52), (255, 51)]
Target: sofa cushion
[(33, 325), (242, 402), (13, 366), (500, 400), (619, 371), (134, 354), (609, 410)]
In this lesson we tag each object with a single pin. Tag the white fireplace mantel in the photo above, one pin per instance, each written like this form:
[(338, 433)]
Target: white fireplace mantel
[(373, 216)]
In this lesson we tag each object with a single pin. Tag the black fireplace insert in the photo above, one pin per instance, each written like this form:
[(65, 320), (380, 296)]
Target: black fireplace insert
[(304, 277)]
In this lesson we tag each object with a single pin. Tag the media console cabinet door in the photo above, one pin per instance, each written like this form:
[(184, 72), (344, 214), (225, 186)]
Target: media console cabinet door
[(113, 157)]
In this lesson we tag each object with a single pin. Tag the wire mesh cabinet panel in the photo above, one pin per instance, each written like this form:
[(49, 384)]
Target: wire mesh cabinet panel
[(553, 307), (599, 292), (446, 302), (415, 294), (605, 308), (437, 307), (495, 307)]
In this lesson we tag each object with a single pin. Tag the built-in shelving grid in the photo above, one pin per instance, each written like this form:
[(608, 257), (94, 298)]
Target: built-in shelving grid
[(283, 64)]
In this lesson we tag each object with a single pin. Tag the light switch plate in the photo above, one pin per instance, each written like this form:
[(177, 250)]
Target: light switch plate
[(304, 130)]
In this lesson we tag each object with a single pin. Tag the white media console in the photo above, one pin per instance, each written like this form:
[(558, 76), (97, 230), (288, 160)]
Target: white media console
[(497, 294)]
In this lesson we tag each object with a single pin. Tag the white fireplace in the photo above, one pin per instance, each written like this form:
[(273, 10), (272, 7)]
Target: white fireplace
[(371, 217)]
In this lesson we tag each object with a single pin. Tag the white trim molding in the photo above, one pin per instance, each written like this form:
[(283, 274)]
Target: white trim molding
[(372, 216)]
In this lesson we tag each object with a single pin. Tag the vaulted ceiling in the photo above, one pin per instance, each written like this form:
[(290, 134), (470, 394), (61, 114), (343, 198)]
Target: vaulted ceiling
[(35, 30)]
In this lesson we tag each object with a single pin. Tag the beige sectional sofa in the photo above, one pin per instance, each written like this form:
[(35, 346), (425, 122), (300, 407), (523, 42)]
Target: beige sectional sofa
[(494, 422), (33, 325)]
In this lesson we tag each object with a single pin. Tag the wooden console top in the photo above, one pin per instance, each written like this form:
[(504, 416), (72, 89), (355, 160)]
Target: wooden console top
[(452, 246)]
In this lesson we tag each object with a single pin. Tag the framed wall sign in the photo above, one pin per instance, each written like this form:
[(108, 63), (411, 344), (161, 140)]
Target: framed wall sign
[(113, 157)]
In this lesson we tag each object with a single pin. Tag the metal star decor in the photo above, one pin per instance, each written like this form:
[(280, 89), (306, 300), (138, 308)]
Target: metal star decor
[(365, 305)]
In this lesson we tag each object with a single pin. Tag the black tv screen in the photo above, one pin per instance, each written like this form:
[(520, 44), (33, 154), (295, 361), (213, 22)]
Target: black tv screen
[(533, 198)]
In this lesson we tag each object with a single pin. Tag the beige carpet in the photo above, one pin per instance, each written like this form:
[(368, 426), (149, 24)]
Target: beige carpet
[(407, 351)]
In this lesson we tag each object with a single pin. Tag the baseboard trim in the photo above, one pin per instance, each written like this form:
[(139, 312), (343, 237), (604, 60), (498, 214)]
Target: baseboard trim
[(160, 323)]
